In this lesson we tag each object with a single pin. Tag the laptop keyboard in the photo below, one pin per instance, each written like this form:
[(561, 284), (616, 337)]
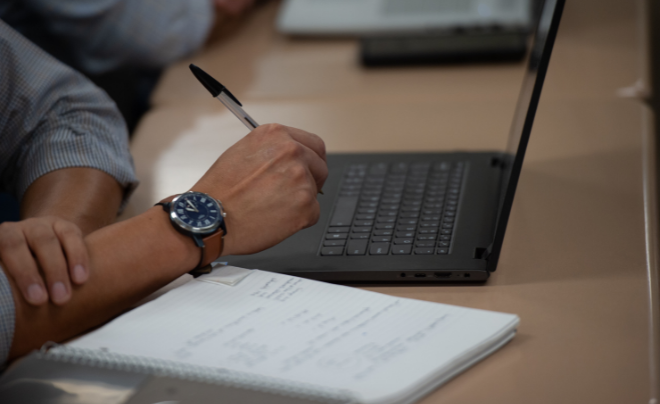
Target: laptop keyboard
[(395, 208)]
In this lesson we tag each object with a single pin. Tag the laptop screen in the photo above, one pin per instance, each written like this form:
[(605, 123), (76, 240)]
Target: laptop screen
[(538, 61)]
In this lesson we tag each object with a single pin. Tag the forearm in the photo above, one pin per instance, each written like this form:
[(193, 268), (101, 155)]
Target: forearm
[(88, 197), (128, 261)]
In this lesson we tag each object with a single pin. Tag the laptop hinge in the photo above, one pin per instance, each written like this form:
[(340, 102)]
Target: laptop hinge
[(483, 253)]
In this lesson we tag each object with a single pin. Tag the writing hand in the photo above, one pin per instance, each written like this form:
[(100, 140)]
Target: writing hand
[(268, 183), (50, 244)]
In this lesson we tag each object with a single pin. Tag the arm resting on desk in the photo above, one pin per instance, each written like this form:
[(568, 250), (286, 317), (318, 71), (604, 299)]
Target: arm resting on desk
[(130, 260)]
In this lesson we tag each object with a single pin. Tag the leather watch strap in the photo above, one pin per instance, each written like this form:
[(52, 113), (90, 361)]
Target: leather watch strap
[(213, 244)]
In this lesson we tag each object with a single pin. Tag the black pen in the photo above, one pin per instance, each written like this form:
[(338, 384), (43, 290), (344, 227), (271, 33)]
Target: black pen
[(220, 92)]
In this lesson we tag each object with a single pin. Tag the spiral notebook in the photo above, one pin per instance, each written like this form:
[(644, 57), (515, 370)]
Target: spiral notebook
[(270, 332)]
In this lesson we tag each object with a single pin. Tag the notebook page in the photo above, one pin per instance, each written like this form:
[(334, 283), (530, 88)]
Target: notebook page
[(377, 346)]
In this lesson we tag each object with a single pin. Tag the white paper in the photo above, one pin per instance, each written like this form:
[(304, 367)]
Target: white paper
[(225, 274), (380, 347)]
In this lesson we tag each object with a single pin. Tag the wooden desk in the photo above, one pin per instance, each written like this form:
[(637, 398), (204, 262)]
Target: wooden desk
[(573, 265)]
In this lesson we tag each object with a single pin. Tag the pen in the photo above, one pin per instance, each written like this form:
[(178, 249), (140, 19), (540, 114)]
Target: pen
[(220, 92)]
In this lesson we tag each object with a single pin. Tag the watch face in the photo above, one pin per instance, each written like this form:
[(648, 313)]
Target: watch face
[(196, 212)]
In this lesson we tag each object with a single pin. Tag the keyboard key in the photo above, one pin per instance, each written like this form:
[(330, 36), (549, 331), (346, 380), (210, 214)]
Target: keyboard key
[(429, 224), (425, 244), (402, 249), (383, 232), (367, 211), (371, 192), (363, 223), (389, 207), (424, 251), (445, 231), (424, 237), (338, 230), (428, 231), (433, 206), (392, 195), (378, 169), (381, 239), (357, 247), (385, 226), (387, 213), (443, 251), (362, 229), (334, 243), (399, 168), (431, 211), (368, 204), (394, 188), (386, 219), (349, 193), (445, 238), (448, 220), (370, 198), (407, 221), (431, 218), (443, 166), (406, 227), (403, 241), (409, 214), (447, 225), (411, 203), (412, 209), (450, 214), (391, 200), (444, 244), (365, 216), (344, 211), (378, 248), (360, 236), (327, 251), (405, 234), (336, 236)]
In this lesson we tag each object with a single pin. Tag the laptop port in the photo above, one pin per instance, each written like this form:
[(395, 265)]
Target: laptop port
[(442, 274), (403, 274), (419, 275), (466, 275)]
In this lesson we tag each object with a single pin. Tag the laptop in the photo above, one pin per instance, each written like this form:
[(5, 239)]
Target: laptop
[(417, 217), (367, 17)]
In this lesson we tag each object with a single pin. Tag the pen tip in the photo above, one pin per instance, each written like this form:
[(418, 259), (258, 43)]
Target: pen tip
[(211, 84)]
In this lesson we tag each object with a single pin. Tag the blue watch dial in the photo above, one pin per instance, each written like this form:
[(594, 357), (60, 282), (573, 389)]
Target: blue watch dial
[(197, 210)]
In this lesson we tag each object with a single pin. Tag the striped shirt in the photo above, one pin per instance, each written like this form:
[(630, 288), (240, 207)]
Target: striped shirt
[(51, 117)]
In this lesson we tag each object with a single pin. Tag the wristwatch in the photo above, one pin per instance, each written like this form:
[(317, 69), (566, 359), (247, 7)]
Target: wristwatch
[(202, 218)]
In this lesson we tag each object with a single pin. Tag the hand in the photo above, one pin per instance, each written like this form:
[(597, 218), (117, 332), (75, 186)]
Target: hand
[(50, 244), (268, 183), (233, 8)]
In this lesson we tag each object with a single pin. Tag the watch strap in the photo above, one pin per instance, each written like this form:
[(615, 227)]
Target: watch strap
[(212, 245)]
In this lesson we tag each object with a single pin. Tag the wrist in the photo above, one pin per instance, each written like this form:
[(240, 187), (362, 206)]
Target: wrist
[(180, 248)]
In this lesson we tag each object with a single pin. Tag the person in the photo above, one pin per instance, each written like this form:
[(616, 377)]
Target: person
[(121, 45), (64, 154), (267, 183)]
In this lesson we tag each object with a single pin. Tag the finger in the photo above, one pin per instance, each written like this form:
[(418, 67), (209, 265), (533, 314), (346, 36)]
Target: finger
[(46, 247), (73, 244), (310, 140), (19, 263), (317, 167)]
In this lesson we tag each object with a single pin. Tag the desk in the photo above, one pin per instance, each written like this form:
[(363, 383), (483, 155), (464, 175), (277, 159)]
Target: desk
[(574, 261)]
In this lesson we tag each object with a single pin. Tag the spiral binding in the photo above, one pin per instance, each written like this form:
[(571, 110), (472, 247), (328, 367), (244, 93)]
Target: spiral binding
[(195, 373)]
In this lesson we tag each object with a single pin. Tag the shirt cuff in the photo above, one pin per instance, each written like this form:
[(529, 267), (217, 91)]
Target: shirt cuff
[(7, 318)]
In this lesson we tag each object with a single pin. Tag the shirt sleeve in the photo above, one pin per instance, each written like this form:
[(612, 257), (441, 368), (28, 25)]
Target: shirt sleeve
[(107, 34), (52, 117), (7, 318)]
